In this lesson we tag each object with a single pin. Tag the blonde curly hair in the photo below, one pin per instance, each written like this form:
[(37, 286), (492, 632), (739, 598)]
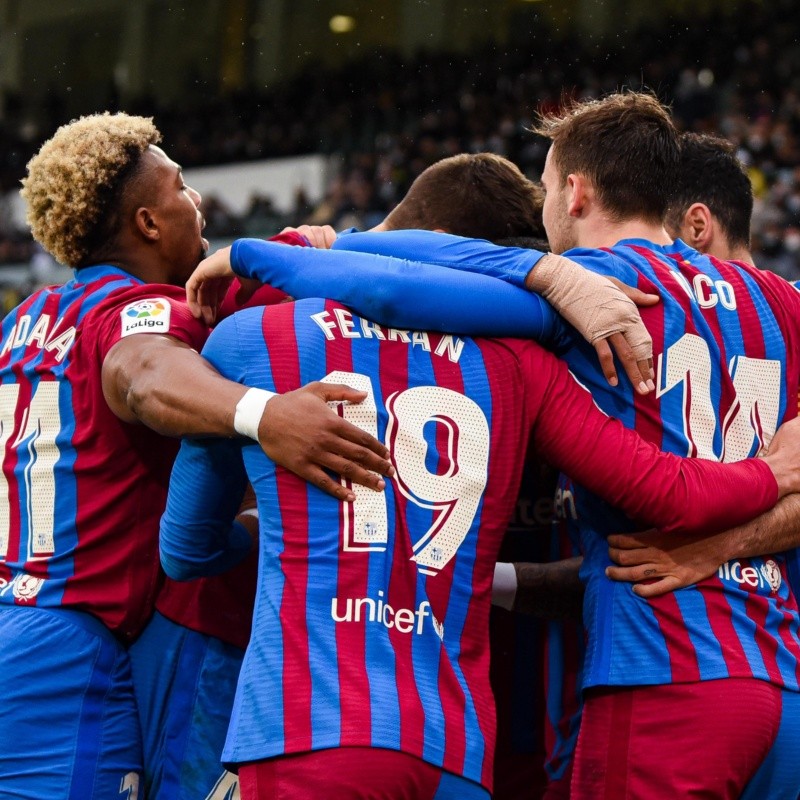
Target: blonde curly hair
[(75, 181)]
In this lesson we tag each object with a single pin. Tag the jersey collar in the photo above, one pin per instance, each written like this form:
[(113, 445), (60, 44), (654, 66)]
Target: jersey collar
[(97, 271)]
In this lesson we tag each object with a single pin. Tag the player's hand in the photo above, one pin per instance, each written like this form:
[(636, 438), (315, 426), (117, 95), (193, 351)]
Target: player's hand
[(301, 432), (658, 563), (320, 236), (208, 284), (783, 457), (603, 314)]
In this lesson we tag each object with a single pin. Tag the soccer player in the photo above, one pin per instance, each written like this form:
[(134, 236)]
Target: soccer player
[(82, 366), (712, 199), (727, 338), (367, 669), (186, 661), (710, 209)]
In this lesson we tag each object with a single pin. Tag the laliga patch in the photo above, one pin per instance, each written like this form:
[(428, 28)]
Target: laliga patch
[(146, 316)]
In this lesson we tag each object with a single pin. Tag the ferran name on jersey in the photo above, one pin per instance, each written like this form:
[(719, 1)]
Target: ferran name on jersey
[(343, 324), (146, 316)]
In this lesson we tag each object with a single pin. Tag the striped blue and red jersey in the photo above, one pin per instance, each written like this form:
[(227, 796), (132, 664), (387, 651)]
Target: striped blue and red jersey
[(370, 624), (82, 491), (727, 342), (725, 336)]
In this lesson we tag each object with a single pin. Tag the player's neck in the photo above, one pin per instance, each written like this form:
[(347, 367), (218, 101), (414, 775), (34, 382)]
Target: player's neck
[(606, 233)]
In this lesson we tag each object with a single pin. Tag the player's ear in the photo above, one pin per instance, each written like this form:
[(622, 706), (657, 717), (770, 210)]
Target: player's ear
[(146, 224), (578, 191), (699, 224)]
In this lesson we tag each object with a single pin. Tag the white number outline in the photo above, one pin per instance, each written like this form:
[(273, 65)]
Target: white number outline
[(752, 415), (453, 496)]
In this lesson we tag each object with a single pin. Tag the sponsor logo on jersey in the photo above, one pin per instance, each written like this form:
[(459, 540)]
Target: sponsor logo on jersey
[(768, 575), (404, 620), (24, 587), (146, 316)]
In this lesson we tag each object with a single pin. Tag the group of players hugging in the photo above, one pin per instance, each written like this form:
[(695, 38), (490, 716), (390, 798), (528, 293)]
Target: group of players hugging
[(255, 507)]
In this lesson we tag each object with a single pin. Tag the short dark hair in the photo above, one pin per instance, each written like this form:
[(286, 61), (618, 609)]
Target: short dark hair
[(710, 173), (626, 144), (482, 195)]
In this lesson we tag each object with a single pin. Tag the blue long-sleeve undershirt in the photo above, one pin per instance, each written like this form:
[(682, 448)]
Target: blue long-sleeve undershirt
[(407, 292)]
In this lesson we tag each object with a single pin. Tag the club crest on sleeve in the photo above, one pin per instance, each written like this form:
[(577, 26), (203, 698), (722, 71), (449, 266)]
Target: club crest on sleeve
[(146, 316)]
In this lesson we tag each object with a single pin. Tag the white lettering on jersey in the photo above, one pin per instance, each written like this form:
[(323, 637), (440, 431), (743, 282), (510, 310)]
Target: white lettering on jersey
[(342, 323), (41, 335), (403, 620), (768, 575), (707, 292), (23, 586), (564, 504), (146, 316)]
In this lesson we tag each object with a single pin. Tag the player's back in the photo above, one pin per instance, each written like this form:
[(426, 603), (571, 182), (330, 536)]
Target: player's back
[(375, 614), (727, 353), (75, 479)]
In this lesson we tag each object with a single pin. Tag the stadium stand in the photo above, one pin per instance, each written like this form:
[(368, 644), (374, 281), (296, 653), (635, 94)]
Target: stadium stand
[(386, 118)]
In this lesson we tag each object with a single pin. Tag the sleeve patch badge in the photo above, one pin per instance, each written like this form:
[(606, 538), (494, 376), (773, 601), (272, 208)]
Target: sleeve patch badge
[(146, 316)]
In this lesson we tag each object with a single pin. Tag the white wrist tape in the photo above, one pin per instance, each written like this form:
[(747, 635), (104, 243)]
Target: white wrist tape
[(249, 512), (504, 585), (249, 411)]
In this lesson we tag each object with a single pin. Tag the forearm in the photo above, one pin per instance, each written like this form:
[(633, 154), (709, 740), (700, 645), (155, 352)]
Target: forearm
[(652, 487), (552, 591), (772, 532), (216, 551), (198, 534), (170, 388), (399, 292)]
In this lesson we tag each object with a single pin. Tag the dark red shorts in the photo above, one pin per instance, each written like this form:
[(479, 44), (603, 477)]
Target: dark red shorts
[(353, 773), (702, 739)]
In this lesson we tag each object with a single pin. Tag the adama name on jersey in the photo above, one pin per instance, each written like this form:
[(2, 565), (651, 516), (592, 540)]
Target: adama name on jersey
[(343, 324), (44, 333)]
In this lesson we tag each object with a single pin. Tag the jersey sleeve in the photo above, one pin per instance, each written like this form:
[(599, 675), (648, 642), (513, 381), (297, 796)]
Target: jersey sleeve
[(198, 533), (199, 536), (653, 487), (509, 264), (145, 309), (400, 292)]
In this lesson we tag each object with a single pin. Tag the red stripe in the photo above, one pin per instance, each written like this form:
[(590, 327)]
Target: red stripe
[(756, 609), (352, 581), (683, 665), (281, 344), (682, 655)]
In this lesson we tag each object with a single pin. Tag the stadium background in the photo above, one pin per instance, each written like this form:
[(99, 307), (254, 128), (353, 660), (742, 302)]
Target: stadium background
[(324, 111)]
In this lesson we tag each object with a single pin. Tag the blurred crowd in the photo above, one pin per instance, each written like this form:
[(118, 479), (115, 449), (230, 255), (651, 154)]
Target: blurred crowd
[(387, 118)]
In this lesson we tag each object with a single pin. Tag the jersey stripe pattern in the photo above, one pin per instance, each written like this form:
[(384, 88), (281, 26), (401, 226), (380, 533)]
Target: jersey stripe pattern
[(370, 624), (368, 641), (726, 340), (80, 496)]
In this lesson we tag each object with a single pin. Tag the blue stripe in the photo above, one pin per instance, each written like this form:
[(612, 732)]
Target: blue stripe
[(323, 515), (265, 654), (709, 651)]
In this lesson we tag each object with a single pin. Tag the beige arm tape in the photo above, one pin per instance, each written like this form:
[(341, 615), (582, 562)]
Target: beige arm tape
[(593, 305)]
